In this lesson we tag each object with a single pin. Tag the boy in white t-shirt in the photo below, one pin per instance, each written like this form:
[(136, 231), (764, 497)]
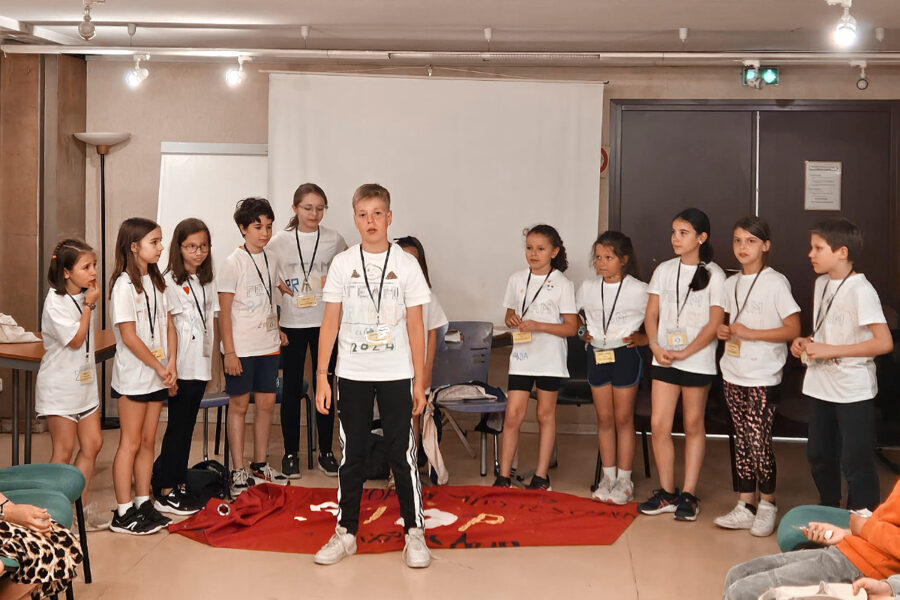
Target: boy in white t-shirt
[(373, 297), (251, 341), (849, 331)]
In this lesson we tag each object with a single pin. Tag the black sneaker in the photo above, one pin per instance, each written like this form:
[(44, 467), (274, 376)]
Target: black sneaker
[(132, 523), (660, 502), (152, 515), (328, 464), (502, 482), (688, 507), (176, 502), (290, 466), (539, 483)]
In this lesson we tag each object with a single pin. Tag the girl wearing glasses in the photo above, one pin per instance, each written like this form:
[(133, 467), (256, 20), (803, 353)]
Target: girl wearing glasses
[(194, 303), (304, 250)]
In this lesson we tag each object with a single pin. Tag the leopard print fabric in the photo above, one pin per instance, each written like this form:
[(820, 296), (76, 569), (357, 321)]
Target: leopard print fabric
[(48, 562)]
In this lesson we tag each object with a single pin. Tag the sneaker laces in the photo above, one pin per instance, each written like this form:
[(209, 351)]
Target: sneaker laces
[(268, 473), (415, 540), (336, 541), (239, 478)]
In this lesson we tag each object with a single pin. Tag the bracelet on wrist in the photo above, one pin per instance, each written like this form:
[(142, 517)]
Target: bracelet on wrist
[(90, 306)]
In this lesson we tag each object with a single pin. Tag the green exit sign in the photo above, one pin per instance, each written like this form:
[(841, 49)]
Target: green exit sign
[(759, 76)]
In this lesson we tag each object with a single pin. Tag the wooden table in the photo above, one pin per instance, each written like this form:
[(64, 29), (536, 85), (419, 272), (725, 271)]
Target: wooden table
[(27, 357)]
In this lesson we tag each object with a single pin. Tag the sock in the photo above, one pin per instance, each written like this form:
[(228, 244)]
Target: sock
[(609, 473), (750, 507), (121, 509), (139, 500), (623, 474), (255, 466)]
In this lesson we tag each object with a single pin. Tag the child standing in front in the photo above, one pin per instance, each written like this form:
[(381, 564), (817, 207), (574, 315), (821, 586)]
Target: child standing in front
[(763, 317), (684, 311), (251, 341), (540, 308), (849, 331), (66, 390), (194, 304), (374, 295), (144, 370), (305, 251), (614, 307)]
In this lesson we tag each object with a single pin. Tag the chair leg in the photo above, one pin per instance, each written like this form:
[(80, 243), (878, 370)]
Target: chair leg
[(225, 456), (646, 449), (597, 472), (70, 593), (310, 432), (205, 434), (496, 455), (82, 533), (483, 464), (734, 475), (219, 429)]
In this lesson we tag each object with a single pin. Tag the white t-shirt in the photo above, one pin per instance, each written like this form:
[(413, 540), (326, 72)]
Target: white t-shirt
[(404, 286), (545, 354), (194, 362), (251, 308), (284, 247), (130, 375), (694, 315), (852, 378), (770, 302), (627, 317), (58, 391), (433, 316)]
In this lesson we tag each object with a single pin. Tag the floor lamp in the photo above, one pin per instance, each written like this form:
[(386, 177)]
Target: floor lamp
[(103, 140)]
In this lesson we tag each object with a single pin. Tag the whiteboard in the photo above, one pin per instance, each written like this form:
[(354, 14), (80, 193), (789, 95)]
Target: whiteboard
[(205, 181), (469, 164)]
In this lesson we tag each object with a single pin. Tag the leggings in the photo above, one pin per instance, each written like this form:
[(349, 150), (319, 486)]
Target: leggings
[(293, 358), (752, 413)]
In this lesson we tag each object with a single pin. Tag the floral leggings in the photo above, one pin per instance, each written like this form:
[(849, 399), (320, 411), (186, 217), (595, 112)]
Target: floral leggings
[(752, 414)]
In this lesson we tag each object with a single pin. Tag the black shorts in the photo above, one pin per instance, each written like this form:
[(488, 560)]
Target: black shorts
[(524, 383), (258, 374), (625, 372), (157, 396), (679, 377)]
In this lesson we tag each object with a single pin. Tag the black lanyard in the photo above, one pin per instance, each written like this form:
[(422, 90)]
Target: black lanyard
[(737, 305), (151, 319), (258, 272), (87, 345), (678, 310), (200, 310), (380, 285), (312, 261), (603, 319), (820, 318), (533, 298)]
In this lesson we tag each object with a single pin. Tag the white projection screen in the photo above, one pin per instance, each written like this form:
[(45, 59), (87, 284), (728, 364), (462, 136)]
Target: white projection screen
[(469, 164)]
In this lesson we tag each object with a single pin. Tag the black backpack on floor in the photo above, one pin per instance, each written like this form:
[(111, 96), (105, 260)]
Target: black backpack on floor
[(208, 479)]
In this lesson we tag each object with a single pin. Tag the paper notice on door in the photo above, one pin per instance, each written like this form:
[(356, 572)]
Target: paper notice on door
[(823, 185)]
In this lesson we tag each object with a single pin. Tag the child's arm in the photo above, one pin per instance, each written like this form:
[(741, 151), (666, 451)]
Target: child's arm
[(415, 329), (706, 335), (881, 343), (651, 325), (331, 322), (171, 365), (790, 328), (90, 297), (429, 357), (512, 320), (139, 348), (232, 362), (568, 327)]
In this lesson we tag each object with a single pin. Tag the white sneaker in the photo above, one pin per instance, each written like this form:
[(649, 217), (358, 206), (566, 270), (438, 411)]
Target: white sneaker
[(622, 492), (766, 515), (95, 518), (415, 552), (341, 545), (601, 494), (240, 482), (267, 474), (740, 517)]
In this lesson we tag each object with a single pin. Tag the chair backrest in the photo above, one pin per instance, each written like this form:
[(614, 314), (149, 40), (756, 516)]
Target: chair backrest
[(465, 360), (576, 358)]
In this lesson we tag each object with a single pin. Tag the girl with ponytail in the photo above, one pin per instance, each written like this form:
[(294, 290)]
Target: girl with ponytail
[(540, 309), (66, 394), (684, 311)]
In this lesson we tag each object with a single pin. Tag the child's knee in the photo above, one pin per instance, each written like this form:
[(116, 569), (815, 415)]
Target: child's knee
[(546, 415), (90, 445)]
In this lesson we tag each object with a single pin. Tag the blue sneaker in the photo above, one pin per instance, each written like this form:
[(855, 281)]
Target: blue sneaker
[(660, 502)]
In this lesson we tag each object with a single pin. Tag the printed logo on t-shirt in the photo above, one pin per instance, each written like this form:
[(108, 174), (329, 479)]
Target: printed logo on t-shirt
[(186, 289), (355, 275), (391, 275)]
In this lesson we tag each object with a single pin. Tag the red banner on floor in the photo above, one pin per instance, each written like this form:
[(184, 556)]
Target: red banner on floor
[(300, 520)]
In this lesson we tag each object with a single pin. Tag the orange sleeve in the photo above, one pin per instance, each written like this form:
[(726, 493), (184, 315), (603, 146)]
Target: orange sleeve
[(883, 535)]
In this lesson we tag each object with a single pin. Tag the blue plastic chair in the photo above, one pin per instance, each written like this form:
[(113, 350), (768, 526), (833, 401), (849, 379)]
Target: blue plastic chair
[(462, 362)]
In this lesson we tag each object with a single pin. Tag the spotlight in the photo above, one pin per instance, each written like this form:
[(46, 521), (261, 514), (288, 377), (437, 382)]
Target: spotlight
[(862, 83), (845, 32), (235, 75), (138, 74), (86, 28)]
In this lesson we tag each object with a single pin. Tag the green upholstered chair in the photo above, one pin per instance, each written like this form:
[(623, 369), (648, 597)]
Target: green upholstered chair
[(790, 538)]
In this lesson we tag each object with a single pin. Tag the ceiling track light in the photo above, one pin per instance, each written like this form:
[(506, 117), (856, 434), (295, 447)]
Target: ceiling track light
[(845, 31), (236, 75), (138, 74), (862, 83), (683, 34)]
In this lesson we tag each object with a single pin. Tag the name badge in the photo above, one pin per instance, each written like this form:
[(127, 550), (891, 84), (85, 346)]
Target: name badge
[(604, 357), (85, 375), (207, 343), (159, 353), (272, 321), (733, 347), (676, 339), (521, 337), (378, 336), (804, 358), (306, 300)]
